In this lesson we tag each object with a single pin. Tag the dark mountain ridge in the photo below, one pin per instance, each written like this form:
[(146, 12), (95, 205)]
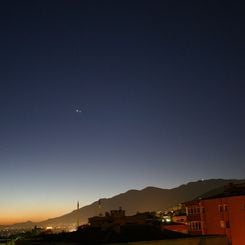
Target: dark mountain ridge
[(147, 199)]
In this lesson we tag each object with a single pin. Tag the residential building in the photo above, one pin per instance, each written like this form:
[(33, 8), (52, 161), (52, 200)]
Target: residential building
[(222, 214)]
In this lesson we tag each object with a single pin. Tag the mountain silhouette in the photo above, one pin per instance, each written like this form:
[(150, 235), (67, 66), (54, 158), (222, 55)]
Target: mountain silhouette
[(147, 199)]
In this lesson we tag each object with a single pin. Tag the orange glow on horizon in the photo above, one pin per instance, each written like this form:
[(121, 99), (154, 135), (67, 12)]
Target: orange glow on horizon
[(11, 213), (9, 218)]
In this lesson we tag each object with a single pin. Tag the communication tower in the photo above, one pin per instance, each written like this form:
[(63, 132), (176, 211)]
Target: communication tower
[(78, 215)]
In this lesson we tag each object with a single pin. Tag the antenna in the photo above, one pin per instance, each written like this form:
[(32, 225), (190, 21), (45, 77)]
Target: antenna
[(78, 220)]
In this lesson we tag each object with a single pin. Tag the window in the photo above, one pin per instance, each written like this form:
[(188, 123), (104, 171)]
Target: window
[(225, 207), (203, 210), (227, 224), (193, 226), (222, 224), (220, 208), (197, 226)]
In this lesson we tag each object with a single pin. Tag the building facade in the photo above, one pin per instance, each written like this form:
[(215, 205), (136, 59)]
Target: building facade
[(223, 215)]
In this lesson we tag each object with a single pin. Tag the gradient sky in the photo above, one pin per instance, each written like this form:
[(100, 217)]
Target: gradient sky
[(159, 86)]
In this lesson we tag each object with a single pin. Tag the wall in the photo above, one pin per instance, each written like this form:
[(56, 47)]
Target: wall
[(216, 222)]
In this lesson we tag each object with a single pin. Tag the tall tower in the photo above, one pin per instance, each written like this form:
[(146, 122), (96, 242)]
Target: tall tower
[(99, 203), (78, 215)]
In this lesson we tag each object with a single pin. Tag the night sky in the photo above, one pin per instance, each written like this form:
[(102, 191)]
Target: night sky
[(98, 97)]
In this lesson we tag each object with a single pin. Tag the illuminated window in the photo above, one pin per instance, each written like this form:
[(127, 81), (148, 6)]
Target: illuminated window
[(222, 224)]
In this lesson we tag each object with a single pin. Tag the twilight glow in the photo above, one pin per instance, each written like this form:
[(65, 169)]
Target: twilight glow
[(98, 98)]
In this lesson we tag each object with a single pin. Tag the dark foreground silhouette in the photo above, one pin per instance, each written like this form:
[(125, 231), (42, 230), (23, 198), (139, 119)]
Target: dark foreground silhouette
[(88, 235)]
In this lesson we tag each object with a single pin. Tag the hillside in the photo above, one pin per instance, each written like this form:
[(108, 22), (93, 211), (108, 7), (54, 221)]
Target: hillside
[(148, 199)]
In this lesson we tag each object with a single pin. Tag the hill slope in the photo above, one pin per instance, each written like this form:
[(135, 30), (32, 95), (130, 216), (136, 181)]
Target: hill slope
[(148, 199)]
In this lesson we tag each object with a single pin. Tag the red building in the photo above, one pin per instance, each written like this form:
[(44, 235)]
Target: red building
[(222, 214)]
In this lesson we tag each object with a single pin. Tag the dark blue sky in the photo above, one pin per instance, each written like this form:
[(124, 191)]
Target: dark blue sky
[(160, 86)]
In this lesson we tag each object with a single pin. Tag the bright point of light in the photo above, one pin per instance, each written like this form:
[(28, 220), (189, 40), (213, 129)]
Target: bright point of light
[(49, 228)]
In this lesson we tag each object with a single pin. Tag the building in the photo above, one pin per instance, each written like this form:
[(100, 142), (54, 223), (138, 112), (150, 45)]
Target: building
[(222, 214), (118, 218), (195, 217)]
